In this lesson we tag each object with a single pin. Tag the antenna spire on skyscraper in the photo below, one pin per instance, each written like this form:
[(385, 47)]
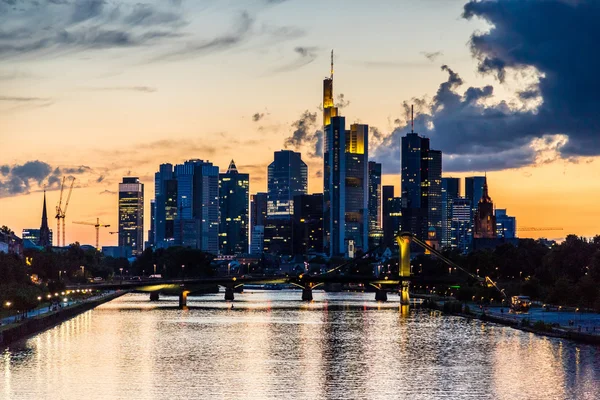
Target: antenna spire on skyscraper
[(331, 63), (412, 118)]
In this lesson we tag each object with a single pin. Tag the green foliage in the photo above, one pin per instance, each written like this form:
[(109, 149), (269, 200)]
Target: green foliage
[(542, 326)]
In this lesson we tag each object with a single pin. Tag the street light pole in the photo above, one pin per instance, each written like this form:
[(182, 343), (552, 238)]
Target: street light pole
[(183, 271)]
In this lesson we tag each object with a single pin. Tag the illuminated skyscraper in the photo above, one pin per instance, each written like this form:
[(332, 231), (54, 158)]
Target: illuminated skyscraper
[(450, 191), (329, 109), (506, 226), (308, 223), (233, 209), (392, 213), (131, 214), (375, 205), (197, 222), (287, 178), (474, 189), (421, 186), (345, 187), (258, 216), (462, 222)]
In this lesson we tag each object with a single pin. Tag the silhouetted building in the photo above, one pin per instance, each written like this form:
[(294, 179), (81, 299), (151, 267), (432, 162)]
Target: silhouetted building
[(329, 109), (308, 223), (165, 206), (152, 230), (392, 214), (506, 226), (31, 236), (357, 187), (287, 178), (131, 214), (421, 186), (258, 216), (45, 239), (474, 189), (450, 191), (484, 226), (462, 223), (375, 205), (233, 208)]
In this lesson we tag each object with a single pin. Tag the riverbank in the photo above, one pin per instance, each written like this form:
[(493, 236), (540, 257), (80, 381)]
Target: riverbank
[(16, 331), (534, 326)]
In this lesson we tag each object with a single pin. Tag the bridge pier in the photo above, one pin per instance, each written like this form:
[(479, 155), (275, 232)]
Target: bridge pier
[(154, 296), (380, 295), (307, 294), (183, 299), (229, 293), (404, 296)]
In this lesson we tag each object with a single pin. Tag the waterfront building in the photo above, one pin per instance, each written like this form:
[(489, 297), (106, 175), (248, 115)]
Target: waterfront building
[(258, 215), (234, 190), (152, 230), (421, 185), (131, 214), (165, 206), (450, 191), (375, 205), (390, 224), (31, 236)]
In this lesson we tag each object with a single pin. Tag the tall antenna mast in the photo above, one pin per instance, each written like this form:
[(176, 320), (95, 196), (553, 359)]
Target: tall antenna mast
[(331, 64), (412, 118)]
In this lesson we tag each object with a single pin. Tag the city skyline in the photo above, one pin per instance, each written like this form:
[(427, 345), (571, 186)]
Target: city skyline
[(537, 194)]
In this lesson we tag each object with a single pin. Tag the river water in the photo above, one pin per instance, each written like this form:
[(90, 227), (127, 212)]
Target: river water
[(273, 346)]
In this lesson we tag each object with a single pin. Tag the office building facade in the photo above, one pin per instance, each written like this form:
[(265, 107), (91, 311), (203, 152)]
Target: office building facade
[(462, 225), (258, 216), (450, 191), (506, 226), (165, 206), (375, 205), (308, 223), (234, 190), (131, 214)]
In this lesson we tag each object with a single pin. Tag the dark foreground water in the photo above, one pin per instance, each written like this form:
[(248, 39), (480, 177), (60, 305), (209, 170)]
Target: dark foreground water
[(272, 346)]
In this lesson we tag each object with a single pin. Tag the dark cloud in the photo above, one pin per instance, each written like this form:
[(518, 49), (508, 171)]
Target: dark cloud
[(76, 170), (240, 32), (100, 179), (341, 101), (19, 177), (106, 191), (432, 56), (306, 55), (306, 133), (23, 99), (50, 28), (257, 117), (565, 122)]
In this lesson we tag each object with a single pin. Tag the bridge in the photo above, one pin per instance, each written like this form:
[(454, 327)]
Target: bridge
[(305, 281)]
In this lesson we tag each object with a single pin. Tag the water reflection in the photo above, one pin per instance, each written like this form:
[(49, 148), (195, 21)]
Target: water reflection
[(272, 346)]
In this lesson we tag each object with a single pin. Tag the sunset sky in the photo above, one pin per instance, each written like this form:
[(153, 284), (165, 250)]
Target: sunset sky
[(99, 90)]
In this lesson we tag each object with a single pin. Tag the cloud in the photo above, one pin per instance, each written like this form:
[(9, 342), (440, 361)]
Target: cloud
[(341, 101), (432, 56), (100, 179), (306, 55), (241, 30), (144, 89), (476, 133), (23, 99), (306, 133), (257, 117), (51, 28), (106, 191)]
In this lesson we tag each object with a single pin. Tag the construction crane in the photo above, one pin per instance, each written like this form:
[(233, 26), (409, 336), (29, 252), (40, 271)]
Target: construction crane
[(96, 225), (61, 213), (536, 229)]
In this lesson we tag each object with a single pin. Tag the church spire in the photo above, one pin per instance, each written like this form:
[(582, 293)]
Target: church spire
[(44, 230)]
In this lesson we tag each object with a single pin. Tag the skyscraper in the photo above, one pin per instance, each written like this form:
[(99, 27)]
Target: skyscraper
[(334, 187), (421, 186), (197, 222), (450, 191), (329, 109), (258, 215), (375, 205), (165, 206), (462, 223), (308, 223), (474, 189), (45, 239), (287, 178), (484, 226), (152, 230), (357, 187), (233, 209), (131, 214), (392, 212)]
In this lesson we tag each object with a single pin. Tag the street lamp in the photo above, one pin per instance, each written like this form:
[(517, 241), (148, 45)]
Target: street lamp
[(154, 269), (183, 271), (82, 271), (121, 269)]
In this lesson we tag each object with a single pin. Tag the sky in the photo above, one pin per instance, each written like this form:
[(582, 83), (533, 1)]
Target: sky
[(101, 89)]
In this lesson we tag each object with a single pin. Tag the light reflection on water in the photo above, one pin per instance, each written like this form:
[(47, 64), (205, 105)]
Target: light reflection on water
[(272, 346)]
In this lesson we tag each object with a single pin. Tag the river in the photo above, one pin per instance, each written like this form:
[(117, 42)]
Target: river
[(273, 346)]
